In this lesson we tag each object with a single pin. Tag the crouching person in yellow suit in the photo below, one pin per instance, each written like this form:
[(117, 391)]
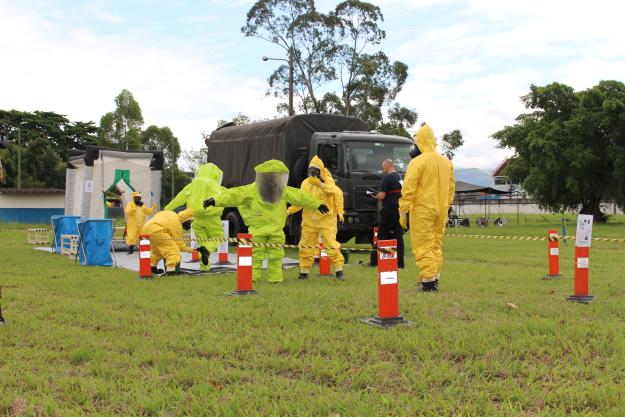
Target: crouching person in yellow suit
[(165, 230), (314, 224)]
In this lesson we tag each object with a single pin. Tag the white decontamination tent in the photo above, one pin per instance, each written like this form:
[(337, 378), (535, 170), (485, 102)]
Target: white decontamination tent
[(95, 171)]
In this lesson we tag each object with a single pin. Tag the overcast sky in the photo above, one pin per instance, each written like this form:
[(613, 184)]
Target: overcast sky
[(188, 65)]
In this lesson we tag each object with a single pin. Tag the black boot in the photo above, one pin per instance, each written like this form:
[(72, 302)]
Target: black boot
[(157, 270), (431, 286), (205, 254), (339, 274), (303, 275), (131, 249)]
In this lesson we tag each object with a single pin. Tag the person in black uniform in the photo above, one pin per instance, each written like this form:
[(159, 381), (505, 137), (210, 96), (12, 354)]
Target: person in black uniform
[(389, 194)]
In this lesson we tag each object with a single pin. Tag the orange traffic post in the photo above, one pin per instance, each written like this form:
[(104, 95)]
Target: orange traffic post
[(145, 269), (388, 288), (324, 261), (223, 246), (195, 256), (553, 255), (583, 238), (582, 269), (244, 265)]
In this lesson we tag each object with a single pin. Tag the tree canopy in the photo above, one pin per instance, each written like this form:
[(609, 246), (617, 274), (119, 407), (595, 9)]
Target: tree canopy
[(570, 149)]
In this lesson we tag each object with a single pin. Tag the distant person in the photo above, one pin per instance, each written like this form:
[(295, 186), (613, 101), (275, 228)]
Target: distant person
[(427, 193), (389, 227), (135, 219), (165, 230), (262, 205), (314, 224)]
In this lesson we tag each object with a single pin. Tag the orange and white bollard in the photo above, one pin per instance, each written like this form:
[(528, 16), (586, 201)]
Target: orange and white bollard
[(223, 246), (375, 235), (583, 238), (244, 265), (554, 255), (324, 260), (388, 287), (145, 269), (195, 256)]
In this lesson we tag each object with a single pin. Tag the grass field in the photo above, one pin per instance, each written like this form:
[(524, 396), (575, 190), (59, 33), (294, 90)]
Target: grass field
[(496, 341)]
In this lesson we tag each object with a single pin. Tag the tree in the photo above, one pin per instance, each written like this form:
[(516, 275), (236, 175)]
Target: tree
[(451, 142), (122, 128), (239, 119), (399, 120), (570, 149), (193, 158), (307, 38)]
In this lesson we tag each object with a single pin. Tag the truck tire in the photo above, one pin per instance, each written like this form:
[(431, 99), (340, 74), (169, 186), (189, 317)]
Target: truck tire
[(236, 224), (299, 171)]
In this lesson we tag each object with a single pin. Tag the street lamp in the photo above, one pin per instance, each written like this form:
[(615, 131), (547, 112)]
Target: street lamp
[(290, 61)]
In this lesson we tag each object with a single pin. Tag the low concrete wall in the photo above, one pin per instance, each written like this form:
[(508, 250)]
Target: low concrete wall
[(30, 208), (495, 208)]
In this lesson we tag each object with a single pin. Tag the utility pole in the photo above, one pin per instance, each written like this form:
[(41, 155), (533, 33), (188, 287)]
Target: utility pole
[(291, 112), (19, 158)]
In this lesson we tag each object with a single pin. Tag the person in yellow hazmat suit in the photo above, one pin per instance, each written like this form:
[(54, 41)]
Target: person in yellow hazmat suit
[(427, 193), (135, 218), (263, 205), (166, 242), (206, 222), (314, 224)]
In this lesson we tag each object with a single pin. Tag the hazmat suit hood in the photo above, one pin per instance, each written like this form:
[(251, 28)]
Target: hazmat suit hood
[(210, 172), (271, 179), (325, 173), (185, 215), (425, 139), (135, 194)]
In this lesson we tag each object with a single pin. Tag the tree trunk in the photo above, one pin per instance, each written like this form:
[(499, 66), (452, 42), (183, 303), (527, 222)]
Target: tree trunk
[(594, 207)]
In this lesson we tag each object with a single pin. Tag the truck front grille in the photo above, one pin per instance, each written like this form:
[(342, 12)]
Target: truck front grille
[(362, 201)]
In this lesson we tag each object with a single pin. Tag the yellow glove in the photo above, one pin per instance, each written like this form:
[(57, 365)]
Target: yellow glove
[(189, 250), (341, 218), (403, 221)]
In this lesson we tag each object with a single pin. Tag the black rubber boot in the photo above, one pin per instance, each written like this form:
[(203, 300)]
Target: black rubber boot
[(431, 286), (339, 274), (303, 275), (205, 254), (156, 270), (131, 249)]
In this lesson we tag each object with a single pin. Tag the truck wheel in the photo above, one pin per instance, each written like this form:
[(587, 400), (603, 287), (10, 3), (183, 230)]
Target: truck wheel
[(300, 171), (236, 224)]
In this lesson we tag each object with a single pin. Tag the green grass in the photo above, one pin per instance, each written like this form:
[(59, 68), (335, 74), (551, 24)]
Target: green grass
[(98, 341)]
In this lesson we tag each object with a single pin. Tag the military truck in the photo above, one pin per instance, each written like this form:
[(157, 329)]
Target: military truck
[(353, 155)]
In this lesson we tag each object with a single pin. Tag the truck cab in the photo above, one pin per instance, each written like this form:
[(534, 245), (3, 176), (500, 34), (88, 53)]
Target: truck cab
[(355, 161)]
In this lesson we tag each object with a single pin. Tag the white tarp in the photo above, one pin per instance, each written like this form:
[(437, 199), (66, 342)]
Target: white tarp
[(91, 174)]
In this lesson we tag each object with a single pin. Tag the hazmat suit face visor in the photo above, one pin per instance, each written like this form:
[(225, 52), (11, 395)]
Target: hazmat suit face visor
[(271, 185), (314, 172)]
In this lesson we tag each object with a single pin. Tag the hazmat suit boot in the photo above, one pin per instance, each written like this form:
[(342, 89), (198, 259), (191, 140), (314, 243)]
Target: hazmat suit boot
[(131, 249), (430, 286), (205, 254), (303, 275), (339, 275), (156, 270)]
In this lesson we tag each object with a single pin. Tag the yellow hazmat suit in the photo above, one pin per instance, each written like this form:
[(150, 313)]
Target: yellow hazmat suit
[(206, 222), (135, 218), (315, 224), (165, 230), (427, 193)]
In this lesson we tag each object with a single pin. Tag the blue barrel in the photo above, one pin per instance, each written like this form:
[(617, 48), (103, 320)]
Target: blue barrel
[(63, 225), (95, 242)]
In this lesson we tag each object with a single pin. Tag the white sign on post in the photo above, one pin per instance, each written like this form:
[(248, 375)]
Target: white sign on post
[(223, 246), (583, 235), (88, 186)]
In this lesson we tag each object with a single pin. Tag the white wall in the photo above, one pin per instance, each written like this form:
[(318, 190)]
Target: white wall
[(495, 208)]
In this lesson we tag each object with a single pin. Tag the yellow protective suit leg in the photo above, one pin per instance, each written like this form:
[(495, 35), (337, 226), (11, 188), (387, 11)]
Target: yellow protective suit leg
[(202, 233), (422, 239), (274, 256), (310, 237), (165, 247), (439, 233), (258, 254), (333, 248)]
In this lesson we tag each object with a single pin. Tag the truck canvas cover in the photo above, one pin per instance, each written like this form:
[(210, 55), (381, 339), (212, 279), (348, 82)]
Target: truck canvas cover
[(238, 149)]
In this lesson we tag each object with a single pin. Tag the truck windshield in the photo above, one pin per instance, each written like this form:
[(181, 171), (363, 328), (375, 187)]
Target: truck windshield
[(364, 156)]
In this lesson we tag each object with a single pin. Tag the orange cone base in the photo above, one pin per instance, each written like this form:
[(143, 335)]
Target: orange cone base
[(243, 292), (385, 322), (586, 299), (552, 277)]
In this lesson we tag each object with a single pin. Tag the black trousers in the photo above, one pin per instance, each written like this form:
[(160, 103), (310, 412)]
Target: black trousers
[(389, 228)]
